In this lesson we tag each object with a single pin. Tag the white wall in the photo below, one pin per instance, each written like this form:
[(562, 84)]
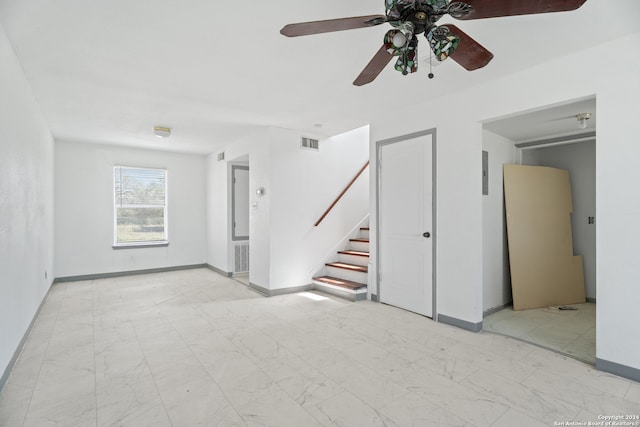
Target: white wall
[(495, 251), (459, 134), (286, 249), (84, 210), (580, 160), (26, 204), (304, 183)]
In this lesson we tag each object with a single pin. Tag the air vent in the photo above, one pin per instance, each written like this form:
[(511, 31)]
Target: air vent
[(221, 156), (241, 258), (309, 144)]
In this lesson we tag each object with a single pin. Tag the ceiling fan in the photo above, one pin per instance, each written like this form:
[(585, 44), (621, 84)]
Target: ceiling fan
[(412, 17)]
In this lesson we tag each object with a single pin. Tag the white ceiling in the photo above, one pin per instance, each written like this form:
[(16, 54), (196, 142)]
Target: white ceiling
[(556, 120), (108, 71)]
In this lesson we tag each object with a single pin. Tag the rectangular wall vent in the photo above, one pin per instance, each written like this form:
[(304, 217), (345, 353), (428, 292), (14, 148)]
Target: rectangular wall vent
[(241, 258), (221, 156), (309, 143)]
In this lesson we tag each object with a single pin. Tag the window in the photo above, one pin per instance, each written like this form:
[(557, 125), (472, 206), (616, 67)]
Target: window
[(140, 206)]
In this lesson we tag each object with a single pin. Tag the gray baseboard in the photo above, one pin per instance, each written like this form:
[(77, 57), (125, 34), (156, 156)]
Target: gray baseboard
[(292, 290), (496, 309), (374, 297), (593, 300), (259, 289), (463, 324), (125, 273), (5, 375), (618, 369), (282, 291), (219, 271)]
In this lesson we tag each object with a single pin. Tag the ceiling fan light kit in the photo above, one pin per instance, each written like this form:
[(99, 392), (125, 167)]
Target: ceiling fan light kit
[(582, 120), (410, 18), (162, 131)]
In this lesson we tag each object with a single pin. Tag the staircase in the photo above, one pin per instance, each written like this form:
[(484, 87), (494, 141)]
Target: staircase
[(347, 277)]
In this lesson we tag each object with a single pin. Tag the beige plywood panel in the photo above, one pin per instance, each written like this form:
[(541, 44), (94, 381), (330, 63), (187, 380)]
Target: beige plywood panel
[(544, 270)]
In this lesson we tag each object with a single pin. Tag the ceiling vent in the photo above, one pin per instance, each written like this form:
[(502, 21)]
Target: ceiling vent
[(309, 144), (221, 156)]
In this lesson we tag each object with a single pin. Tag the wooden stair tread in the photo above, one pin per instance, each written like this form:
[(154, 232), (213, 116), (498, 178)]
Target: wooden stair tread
[(356, 253), (347, 266), (342, 283), (359, 240), (364, 228)]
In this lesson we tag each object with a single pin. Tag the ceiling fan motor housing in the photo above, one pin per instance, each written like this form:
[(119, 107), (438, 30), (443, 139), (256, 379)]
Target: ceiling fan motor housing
[(423, 14)]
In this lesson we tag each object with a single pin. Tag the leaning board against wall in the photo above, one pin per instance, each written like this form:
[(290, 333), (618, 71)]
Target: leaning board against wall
[(544, 271)]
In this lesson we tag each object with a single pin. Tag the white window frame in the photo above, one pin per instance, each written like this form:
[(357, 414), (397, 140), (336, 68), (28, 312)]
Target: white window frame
[(140, 243)]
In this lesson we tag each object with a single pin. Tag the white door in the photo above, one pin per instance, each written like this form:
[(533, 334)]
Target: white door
[(405, 245), (240, 202)]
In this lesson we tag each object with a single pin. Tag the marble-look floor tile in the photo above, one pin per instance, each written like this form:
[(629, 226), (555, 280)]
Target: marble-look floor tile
[(346, 410), (568, 389), (130, 402), (514, 418), (303, 383), (633, 394), (375, 389), (534, 403), (14, 403), (411, 410), (468, 403), (496, 362), (199, 403), (275, 409), (570, 332), (62, 407), (192, 347)]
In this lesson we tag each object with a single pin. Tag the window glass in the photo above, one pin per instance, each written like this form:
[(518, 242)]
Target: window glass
[(140, 207)]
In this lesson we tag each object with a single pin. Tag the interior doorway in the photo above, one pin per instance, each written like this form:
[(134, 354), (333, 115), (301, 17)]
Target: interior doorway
[(239, 220), (406, 222), (552, 137)]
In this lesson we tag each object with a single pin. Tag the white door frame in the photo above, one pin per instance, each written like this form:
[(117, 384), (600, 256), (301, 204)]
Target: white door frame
[(434, 195)]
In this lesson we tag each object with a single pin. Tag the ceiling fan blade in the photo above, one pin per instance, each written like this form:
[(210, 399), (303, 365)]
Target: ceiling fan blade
[(469, 53), (331, 25), (494, 8), (374, 67)]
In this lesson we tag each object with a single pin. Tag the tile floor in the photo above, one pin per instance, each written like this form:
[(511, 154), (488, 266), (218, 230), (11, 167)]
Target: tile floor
[(193, 348), (570, 332)]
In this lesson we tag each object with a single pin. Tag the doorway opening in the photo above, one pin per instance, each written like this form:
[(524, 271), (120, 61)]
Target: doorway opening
[(239, 213), (550, 137)]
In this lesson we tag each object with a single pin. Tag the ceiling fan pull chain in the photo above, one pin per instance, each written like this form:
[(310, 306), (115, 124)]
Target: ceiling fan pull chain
[(430, 66)]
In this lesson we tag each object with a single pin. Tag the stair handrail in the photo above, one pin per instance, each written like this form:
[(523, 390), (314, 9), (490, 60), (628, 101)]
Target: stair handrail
[(335, 202)]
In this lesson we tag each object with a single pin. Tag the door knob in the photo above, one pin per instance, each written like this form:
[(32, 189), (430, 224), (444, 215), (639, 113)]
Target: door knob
[(426, 234)]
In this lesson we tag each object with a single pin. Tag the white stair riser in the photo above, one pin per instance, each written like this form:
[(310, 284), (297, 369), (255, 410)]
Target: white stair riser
[(359, 246), (353, 259), (364, 234), (341, 273)]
